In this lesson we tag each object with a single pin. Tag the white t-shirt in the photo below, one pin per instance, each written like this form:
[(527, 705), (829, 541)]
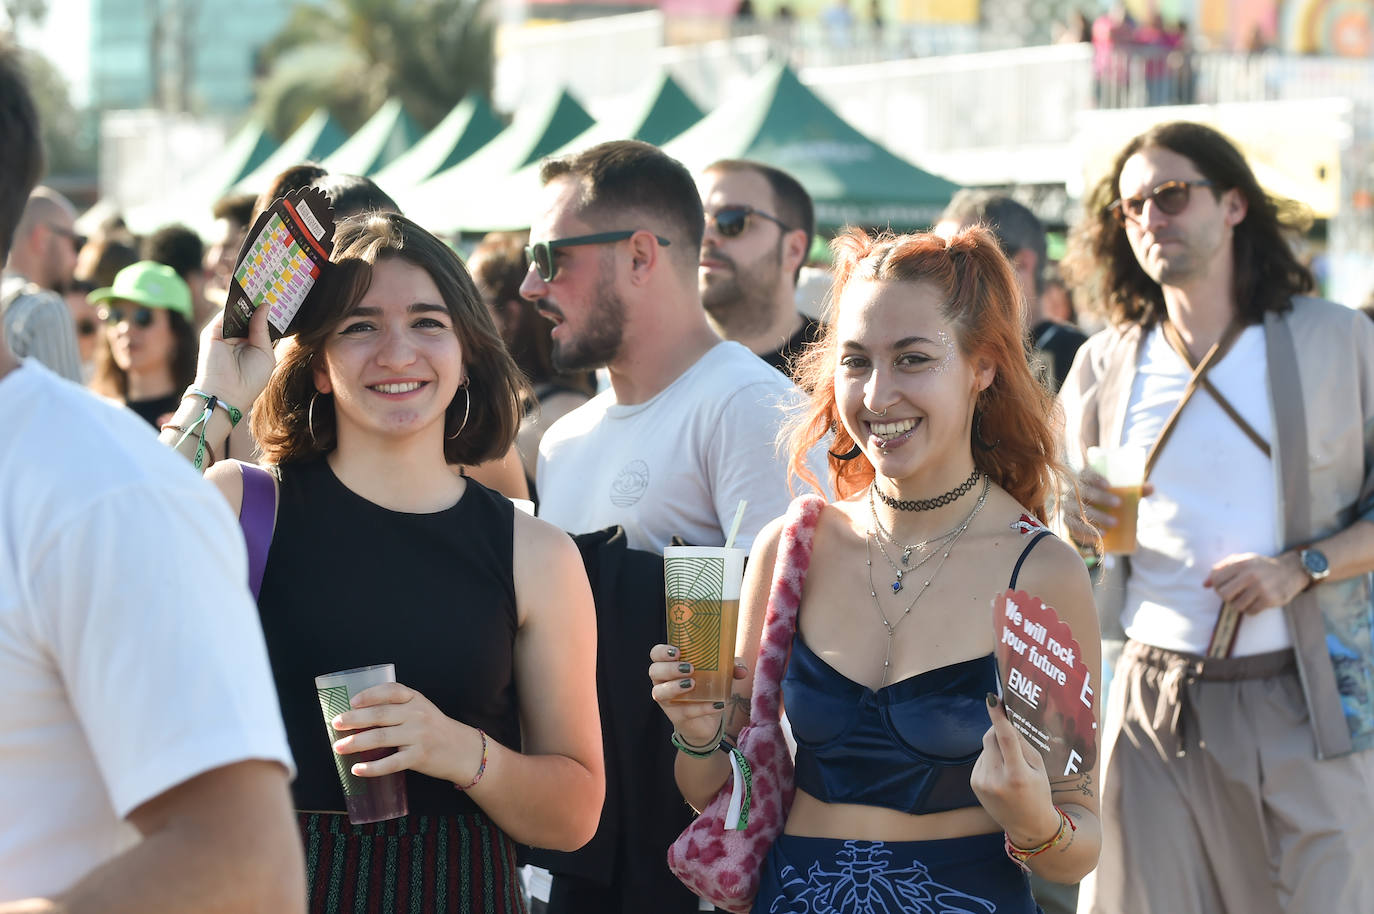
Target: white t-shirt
[(677, 464), (1216, 495), (131, 657)]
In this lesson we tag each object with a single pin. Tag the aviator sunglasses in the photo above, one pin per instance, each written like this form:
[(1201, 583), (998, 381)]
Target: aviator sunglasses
[(541, 252), (1171, 197), (731, 221), (141, 317)]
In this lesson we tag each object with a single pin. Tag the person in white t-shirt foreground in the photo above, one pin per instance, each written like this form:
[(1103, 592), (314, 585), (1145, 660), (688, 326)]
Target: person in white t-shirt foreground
[(687, 430), (1237, 760), (143, 763)]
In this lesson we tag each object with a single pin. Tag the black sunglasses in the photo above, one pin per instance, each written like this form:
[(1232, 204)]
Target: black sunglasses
[(141, 317), (78, 241), (731, 221), (541, 252), (86, 327), (1171, 197)]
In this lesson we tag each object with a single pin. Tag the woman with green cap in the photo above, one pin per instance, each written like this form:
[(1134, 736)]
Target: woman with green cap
[(148, 355)]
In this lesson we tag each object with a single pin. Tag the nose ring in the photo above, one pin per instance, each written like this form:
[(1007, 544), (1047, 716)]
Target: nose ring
[(881, 412)]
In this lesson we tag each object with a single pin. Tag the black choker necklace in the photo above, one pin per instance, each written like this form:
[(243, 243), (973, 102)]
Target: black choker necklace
[(928, 504)]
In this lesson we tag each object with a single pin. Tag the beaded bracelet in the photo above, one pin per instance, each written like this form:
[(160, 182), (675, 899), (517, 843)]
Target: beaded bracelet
[(235, 414), (1021, 855), (482, 768), (706, 751)]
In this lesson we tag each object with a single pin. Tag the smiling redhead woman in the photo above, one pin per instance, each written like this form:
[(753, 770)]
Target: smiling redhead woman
[(914, 792), (381, 553)]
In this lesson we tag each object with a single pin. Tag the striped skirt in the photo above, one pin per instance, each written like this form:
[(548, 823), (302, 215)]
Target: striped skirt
[(411, 865)]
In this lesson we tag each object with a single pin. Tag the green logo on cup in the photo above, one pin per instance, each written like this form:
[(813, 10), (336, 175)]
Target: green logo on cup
[(694, 588), (333, 702)]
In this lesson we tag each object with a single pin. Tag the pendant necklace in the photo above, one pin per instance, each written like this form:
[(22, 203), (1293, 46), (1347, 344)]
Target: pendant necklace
[(883, 535), (891, 627)]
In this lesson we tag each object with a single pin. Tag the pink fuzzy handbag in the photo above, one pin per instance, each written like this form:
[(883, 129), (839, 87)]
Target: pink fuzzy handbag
[(720, 854)]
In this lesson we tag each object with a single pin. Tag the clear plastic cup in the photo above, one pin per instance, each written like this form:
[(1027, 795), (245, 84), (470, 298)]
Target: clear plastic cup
[(702, 587), (1124, 470), (368, 799)]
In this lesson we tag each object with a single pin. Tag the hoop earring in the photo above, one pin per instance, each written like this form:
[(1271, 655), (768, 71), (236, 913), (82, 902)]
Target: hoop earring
[(850, 454), (310, 419), (978, 433), (467, 405)]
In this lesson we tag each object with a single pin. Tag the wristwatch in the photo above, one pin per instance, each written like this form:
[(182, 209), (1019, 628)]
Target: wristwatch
[(1315, 564)]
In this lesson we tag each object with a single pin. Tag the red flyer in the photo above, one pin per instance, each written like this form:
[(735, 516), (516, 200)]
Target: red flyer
[(1046, 686)]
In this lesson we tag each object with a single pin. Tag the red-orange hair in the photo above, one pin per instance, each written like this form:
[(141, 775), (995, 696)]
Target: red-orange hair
[(983, 303)]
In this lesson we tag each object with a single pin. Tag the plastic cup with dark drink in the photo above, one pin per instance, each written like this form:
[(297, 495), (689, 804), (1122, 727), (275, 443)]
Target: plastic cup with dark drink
[(368, 799), (702, 588)]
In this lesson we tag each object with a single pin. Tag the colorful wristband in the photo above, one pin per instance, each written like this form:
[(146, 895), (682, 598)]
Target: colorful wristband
[(235, 414), (1021, 855)]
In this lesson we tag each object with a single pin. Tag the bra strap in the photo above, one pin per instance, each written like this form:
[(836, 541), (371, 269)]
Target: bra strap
[(1015, 572), (789, 573)]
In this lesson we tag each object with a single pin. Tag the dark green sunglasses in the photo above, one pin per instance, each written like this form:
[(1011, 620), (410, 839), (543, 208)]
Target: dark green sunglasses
[(541, 252)]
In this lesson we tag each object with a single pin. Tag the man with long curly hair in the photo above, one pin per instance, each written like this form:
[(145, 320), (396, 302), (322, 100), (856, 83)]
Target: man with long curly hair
[(1241, 713)]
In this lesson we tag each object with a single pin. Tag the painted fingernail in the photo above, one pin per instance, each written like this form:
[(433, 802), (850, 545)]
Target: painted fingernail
[(686, 683), (992, 700), (718, 705), (684, 668), (672, 652)]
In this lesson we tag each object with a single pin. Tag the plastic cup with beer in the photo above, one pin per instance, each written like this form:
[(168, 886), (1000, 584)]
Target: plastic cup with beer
[(1124, 470), (702, 588), (368, 799)]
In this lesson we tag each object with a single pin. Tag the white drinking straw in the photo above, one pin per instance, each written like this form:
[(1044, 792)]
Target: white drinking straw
[(734, 527)]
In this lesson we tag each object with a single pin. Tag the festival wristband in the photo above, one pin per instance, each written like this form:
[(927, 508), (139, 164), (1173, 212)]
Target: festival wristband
[(235, 414)]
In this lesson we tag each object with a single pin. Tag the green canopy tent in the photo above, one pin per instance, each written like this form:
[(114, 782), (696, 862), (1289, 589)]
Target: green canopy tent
[(190, 203), (656, 114), (852, 179), (312, 141), (537, 130), (464, 130), (386, 135)]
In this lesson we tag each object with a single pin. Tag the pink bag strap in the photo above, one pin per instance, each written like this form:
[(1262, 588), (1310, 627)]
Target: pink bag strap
[(789, 574)]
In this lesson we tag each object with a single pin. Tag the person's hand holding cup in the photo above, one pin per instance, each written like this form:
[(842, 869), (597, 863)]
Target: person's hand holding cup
[(368, 799), (696, 722), (1110, 488)]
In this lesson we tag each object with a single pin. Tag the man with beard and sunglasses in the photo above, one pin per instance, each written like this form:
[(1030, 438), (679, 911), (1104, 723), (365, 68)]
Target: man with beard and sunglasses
[(685, 433), (1241, 712), (759, 226), (37, 274)]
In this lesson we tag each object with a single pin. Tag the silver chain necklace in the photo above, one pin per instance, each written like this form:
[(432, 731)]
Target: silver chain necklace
[(906, 567), (891, 627)]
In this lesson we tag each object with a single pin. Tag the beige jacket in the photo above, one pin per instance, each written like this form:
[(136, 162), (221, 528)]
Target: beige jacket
[(1321, 392)]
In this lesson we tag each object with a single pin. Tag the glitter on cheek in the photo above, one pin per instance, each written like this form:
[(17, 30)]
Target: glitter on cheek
[(949, 352)]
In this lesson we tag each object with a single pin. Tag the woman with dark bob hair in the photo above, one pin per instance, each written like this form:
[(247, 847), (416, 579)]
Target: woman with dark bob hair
[(382, 554), (913, 790)]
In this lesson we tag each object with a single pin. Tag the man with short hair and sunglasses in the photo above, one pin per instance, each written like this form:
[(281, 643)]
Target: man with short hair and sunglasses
[(685, 433), (1240, 717), (37, 274), (759, 226)]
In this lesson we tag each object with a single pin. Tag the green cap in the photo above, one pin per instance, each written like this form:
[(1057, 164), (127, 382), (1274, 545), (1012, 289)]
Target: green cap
[(148, 283)]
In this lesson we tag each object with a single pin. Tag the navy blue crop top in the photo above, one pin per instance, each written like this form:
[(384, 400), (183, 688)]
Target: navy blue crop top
[(908, 746)]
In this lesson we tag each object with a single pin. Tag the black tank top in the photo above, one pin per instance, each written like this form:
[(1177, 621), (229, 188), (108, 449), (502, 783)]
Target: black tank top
[(349, 583)]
